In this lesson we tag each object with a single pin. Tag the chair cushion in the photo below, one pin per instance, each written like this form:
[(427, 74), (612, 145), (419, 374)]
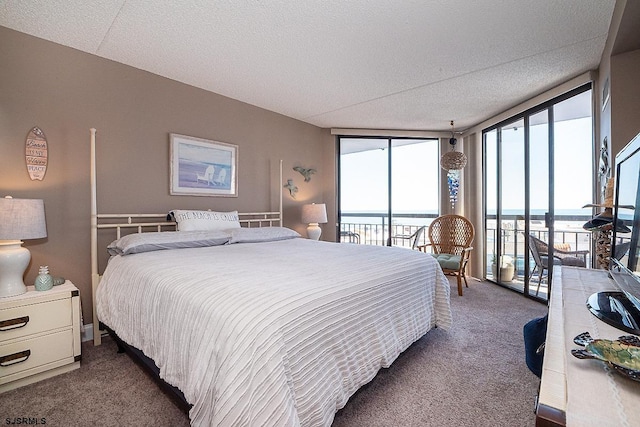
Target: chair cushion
[(572, 261), (545, 261), (448, 261)]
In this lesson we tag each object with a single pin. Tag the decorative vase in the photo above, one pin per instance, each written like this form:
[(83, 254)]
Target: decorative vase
[(44, 281), (506, 272)]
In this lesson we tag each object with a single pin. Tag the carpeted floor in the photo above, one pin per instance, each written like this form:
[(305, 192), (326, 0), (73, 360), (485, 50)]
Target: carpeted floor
[(473, 375)]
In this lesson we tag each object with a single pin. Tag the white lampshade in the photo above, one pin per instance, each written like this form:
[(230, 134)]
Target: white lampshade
[(19, 219), (313, 215)]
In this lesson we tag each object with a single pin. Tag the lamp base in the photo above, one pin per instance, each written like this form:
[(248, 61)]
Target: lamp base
[(14, 260), (314, 231)]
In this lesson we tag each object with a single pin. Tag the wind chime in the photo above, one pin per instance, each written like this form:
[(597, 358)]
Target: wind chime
[(453, 162)]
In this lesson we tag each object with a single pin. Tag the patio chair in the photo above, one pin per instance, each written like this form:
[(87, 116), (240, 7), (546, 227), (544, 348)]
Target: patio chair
[(349, 237), (622, 249), (540, 252), (450, 239), (414, 239)]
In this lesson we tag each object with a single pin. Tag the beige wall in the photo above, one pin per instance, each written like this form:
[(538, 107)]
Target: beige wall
[(329, 185), (473, 197), (625, 99), (619, 119), (65, 92)]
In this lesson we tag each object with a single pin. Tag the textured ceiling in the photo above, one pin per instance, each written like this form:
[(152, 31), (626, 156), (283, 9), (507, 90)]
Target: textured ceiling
[(372, 64)]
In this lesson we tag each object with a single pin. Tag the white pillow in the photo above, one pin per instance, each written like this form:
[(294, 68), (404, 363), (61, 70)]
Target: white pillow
[(262, 234), (205, 220), (155, 241)]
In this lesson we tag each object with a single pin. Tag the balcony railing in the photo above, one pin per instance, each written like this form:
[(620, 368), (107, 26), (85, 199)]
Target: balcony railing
[(568, 235), (373, 229)]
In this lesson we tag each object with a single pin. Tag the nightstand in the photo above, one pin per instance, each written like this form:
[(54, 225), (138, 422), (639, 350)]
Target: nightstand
[(39, 335)]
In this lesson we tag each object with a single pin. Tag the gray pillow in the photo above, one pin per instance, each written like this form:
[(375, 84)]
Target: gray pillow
[(155, 241), (262, 234)]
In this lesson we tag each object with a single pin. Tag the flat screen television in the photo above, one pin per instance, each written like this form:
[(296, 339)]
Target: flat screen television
[(622, 308)]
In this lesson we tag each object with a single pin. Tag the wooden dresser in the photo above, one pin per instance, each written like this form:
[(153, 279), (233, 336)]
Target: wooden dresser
[(575, 392), (39, 335)]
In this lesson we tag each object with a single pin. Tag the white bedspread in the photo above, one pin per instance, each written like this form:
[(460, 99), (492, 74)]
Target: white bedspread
[(272, 334)]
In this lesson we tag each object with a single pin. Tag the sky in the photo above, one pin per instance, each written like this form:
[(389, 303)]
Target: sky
[(364, 179), (573, 167), (364, 175)]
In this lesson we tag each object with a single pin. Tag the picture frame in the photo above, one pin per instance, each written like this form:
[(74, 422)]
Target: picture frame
[(202, 167)]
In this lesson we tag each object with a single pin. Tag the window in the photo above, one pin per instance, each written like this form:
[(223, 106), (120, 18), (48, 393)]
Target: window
[(388, 187)]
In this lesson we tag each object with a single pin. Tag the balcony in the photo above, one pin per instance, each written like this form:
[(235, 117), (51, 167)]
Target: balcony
[(373, 229), (368, 228)]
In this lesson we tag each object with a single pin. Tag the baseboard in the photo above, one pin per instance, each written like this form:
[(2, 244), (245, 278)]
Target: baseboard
[(87, 332)]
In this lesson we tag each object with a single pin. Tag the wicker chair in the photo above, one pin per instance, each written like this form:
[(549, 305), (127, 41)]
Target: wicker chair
[(451, 237), (540, 253)]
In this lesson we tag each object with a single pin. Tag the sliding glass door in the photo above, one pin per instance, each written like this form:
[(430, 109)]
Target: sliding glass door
[(364, 215), (388, 189), (538, 175)]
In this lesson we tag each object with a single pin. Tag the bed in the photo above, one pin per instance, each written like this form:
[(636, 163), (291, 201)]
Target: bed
[(256, 325)]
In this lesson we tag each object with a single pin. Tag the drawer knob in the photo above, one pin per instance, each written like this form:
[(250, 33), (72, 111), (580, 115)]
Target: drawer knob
[(18, 322), (12, 359)]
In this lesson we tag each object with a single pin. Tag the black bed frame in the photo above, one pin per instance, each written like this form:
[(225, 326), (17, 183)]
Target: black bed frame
[(151, 368)]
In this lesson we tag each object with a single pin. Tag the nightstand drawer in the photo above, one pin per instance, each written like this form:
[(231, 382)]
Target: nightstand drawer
[(31, 353), (34, 318)]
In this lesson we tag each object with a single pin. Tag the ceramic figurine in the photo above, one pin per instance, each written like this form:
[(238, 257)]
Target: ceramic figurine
[(44, 281)]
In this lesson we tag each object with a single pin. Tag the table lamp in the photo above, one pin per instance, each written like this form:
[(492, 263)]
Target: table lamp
[(313, 215), (19, 219)]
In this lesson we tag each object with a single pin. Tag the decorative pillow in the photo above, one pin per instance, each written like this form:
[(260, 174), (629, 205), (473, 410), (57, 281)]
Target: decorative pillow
[(205, 220), (262, 234), (155, 241)]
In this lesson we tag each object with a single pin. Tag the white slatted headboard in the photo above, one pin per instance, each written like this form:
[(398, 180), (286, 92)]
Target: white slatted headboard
[(139, 223)]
